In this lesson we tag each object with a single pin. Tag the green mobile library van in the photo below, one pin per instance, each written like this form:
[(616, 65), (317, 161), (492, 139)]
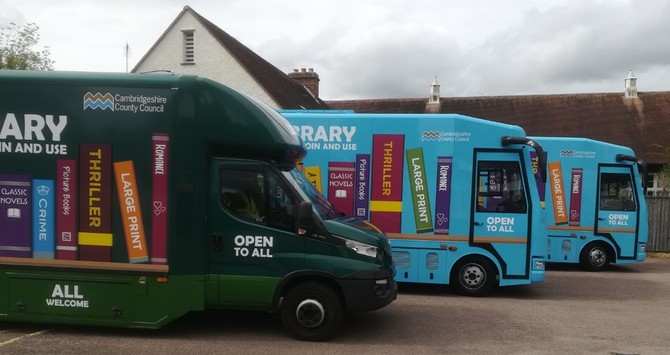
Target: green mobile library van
[(131, 199)]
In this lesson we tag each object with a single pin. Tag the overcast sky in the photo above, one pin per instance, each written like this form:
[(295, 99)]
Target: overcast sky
[(365, 49)]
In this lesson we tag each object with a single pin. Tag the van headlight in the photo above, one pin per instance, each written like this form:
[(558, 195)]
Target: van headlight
[(362, 248)]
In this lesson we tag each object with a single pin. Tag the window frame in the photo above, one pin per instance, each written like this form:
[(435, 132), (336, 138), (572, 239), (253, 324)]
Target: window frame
[(501, 170), (613, 199), (267, 215)]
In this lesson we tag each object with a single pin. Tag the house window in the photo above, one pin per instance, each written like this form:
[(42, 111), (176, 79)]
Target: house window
[(654, 187), (189, 47)]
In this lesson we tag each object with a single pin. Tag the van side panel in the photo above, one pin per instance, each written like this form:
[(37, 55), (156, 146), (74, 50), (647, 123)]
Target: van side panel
[(592, 198), (415, 178), (104, 191)]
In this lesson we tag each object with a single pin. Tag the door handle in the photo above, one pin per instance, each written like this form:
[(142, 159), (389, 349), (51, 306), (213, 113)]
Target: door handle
[(479, 223), (601, 219), (217, 242)]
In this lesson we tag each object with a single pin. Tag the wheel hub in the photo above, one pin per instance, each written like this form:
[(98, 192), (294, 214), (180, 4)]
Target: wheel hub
[(597, 257), (472, 276), (310, 313)]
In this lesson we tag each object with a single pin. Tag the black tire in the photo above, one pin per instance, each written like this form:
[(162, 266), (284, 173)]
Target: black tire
[(312, 311), (595, 257), (474, 277)]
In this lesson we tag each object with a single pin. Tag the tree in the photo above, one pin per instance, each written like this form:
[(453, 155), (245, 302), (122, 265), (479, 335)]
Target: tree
[(664, 175), (16, 48)]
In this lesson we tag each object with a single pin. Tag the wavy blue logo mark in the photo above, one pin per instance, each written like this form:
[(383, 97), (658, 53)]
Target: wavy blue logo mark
[(430, 136), (99, 101)]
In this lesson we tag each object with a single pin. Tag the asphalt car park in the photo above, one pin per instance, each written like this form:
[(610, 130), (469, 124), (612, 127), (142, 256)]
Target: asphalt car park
[(624, 310)]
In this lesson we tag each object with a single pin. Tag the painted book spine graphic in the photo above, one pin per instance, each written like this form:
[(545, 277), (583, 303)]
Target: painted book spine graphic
[(541, 186), (131, 213), (386, 184), (313, 174), (558, 193), (95, 201), (576, 196), (66, 210), (44, 243), (341, 186), (423, 217), (498, 186), (15, 216), (159, 218), (443, 195), (362, 186)]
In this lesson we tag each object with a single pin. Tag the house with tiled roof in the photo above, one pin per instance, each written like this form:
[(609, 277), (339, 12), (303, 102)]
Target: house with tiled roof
[(193, 45), (639, 120)]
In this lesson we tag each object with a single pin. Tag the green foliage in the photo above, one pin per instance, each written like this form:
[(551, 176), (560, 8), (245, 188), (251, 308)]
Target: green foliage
[(664, 175), (664, 179), (16, 48)]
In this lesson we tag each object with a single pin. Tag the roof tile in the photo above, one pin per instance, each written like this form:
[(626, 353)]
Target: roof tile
[(641, 124)]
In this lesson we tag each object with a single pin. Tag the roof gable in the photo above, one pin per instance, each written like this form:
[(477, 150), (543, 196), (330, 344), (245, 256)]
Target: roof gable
[(286, 92)]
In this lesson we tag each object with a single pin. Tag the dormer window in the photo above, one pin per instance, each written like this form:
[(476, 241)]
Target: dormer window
[(189, 47)]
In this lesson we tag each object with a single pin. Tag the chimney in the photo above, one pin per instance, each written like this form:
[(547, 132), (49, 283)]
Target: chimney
[(433, 105), (307, 78), (434, 92), (631, 86)]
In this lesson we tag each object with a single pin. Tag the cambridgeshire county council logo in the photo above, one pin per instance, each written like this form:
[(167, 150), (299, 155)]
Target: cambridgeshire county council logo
[(99, 101), (569, 153), (439, 136)]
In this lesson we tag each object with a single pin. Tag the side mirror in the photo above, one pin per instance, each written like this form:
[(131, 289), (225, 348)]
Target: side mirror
[(305, 217)]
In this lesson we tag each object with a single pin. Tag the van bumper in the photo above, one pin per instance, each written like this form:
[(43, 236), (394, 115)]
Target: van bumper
[(537, 270), (641, 256), (641, 251), (367, 291)]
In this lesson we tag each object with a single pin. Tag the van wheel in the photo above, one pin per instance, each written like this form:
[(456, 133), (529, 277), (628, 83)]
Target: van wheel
[(474, 277), (594, 257), (312, 311)]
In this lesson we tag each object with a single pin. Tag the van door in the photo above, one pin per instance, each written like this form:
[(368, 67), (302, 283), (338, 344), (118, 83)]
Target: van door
[(253, 216), (500, 222), (618, 209)]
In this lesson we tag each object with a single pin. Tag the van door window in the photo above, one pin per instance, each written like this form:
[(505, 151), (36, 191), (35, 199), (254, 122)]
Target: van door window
[(258, 195), (616, 192), (281, 203), (500, 188)]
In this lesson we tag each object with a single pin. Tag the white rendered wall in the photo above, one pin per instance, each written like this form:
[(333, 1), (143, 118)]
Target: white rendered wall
[(212, 60)]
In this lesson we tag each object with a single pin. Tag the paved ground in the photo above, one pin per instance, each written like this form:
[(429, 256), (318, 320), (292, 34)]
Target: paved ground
[(625, 310)]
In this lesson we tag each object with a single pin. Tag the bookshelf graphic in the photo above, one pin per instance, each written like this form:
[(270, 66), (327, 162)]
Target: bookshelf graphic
[(15, 216), (69, 212)]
